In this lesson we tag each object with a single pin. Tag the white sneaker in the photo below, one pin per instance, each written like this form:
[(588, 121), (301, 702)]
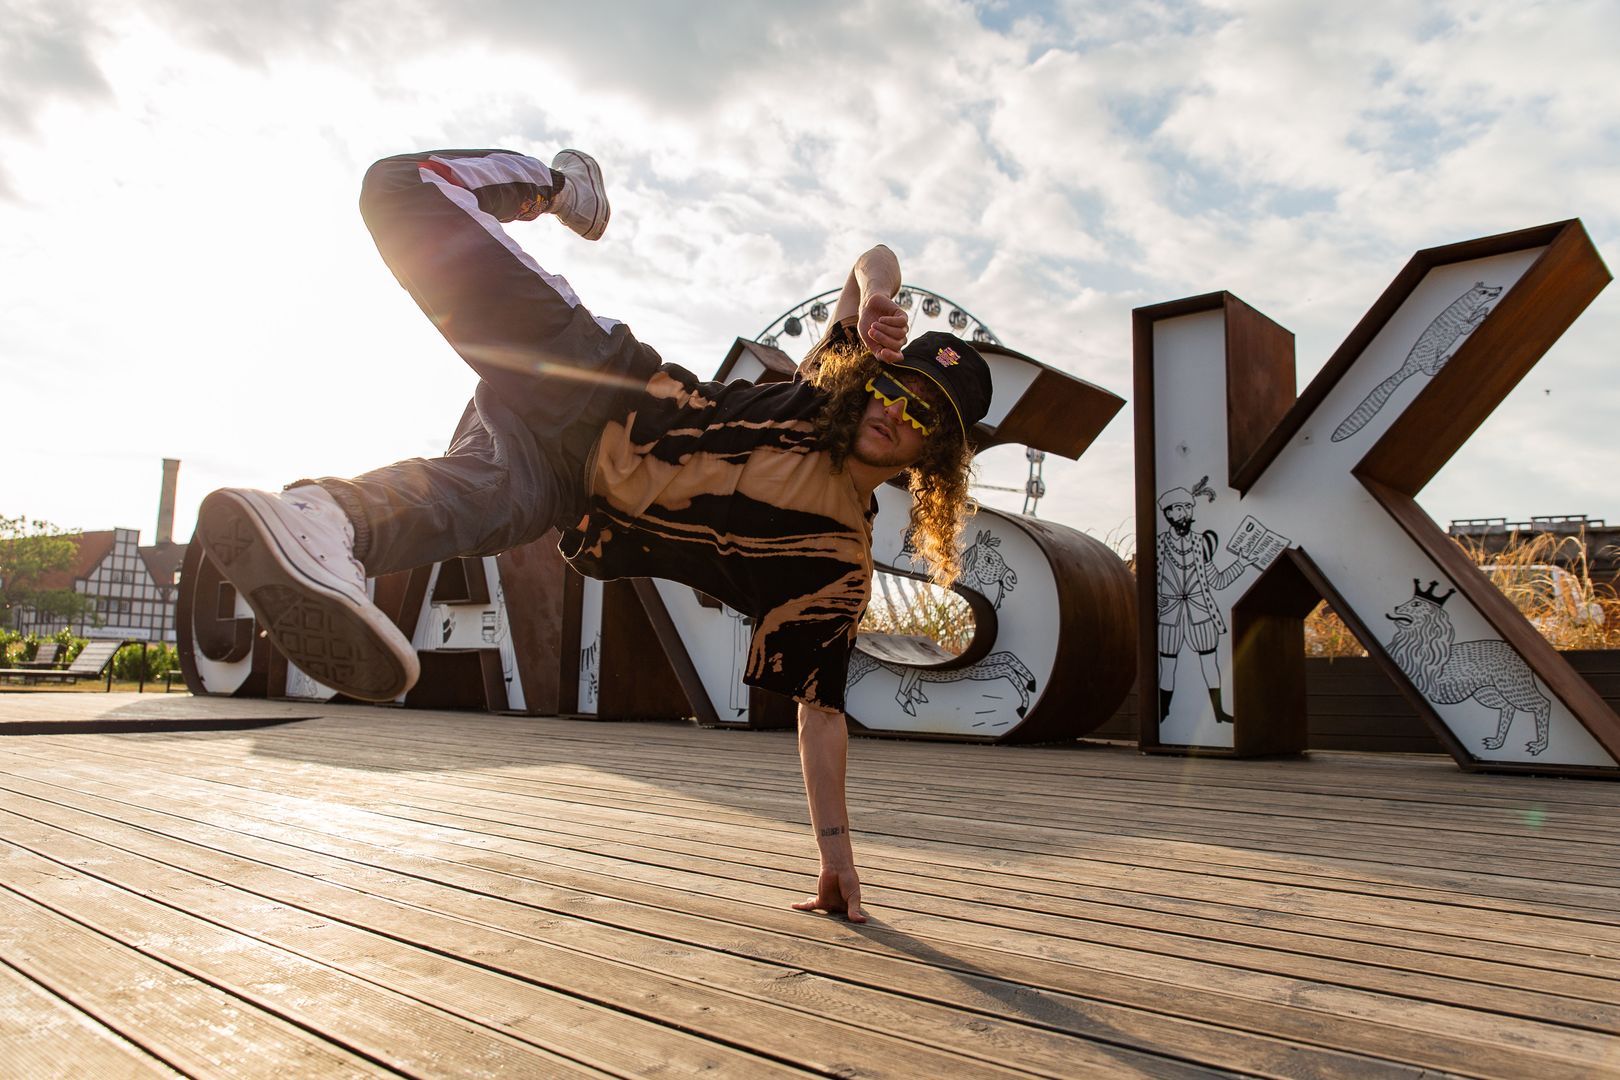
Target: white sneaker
[(290, 555), (582, 204)]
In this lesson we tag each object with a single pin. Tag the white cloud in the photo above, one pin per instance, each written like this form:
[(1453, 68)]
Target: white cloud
[(46, 53)]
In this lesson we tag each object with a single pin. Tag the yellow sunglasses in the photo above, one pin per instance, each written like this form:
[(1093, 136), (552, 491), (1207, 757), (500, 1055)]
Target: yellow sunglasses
[(887, 389)]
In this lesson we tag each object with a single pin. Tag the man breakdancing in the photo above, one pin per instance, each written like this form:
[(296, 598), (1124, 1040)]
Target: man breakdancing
[(760, 496)]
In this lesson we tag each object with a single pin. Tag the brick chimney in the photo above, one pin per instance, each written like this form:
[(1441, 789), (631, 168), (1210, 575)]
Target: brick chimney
[(165, 522)]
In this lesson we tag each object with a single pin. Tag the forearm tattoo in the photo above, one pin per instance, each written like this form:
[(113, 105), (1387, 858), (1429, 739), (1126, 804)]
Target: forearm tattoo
[(836, 830)]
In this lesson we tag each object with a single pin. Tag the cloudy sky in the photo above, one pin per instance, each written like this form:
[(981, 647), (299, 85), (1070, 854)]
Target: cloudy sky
[(184, 273)]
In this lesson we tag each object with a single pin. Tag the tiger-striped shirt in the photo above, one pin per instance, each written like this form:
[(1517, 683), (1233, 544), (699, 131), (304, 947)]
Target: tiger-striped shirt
[(723, 487)]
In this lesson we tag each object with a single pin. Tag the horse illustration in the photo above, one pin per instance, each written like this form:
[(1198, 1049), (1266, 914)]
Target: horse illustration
[(984, 566), (1428, 354), (1447, 671), (998, 665)]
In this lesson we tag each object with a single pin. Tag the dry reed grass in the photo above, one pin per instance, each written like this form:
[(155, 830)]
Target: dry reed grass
[(1547, 577), (915, 608)]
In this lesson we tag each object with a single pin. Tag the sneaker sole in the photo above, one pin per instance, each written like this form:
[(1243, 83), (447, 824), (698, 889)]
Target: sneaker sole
[(599, 222), (355, 650)]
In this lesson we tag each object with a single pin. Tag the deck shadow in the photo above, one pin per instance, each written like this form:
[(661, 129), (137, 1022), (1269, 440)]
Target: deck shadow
[(1031, 1004), (115, 725)]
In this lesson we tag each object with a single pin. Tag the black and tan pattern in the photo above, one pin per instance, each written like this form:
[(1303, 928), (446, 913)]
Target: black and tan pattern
[(724, 488)]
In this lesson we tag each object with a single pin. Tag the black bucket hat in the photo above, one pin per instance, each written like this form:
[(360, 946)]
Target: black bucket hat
[(956, 368)]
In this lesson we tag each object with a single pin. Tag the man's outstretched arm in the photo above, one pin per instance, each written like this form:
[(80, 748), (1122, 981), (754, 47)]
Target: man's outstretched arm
[(869, 295), (823, 753)]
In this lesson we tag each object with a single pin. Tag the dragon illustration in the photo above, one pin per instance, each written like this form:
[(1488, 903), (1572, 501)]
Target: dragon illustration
[(1436, 345)]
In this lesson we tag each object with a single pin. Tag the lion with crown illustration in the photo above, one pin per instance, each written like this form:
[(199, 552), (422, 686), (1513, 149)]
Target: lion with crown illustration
[(1447, 671)]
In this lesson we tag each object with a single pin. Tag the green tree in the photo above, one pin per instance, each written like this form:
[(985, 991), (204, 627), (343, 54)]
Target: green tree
[(29, 551)]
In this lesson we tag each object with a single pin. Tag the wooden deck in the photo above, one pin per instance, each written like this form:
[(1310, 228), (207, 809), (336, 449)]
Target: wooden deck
[(378, 891)]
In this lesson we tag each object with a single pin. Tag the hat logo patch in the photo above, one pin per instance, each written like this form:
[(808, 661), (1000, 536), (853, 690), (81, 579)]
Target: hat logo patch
[(947, 357)]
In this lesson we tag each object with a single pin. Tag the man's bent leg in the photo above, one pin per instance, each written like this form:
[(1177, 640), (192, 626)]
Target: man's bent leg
[(437, 220), (495, 489), (295, 556)]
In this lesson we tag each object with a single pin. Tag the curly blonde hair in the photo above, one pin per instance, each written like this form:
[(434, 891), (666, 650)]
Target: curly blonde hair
[(940, 503)]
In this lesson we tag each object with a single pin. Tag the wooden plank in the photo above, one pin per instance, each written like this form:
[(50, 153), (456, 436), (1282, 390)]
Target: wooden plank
[(185, 1023), (1271, 833), (421, 1031), (649, 848), (1505, 822), (1293, 1056), (1016, 901), (886, 1010), (41, 1035), (789, 938), (1104, 903), (596, 795), (238, 976), (1397, 807), (498, 970), (1134, 870), (1182, 981), (1377, 818), (1084, 773), (1099, 902), (1218, 994), (1496, 1024), (698, 838), (1291, 776)]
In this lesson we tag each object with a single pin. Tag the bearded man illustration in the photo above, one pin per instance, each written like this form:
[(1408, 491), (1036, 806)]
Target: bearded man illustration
[(1188, 582)]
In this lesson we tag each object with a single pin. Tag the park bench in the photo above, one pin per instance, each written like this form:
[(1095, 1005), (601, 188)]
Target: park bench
[(91, 663), (45, 656)]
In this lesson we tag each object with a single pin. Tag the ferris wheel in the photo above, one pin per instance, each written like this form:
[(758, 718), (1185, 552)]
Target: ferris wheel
[(802, 325)]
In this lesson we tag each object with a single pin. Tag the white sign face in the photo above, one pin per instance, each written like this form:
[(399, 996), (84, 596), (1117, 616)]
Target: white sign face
[(1012, 378), (468, 627), (227, 676), (716, 639), (590, 647), (301, 687), (1212, 541), (990, 697), (982, 700)]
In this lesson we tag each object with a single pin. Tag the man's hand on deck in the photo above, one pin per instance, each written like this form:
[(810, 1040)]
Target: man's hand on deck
[(838, 892), (823, 753)]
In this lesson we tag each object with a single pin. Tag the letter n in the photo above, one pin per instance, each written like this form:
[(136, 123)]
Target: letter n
[(1252, 506)]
